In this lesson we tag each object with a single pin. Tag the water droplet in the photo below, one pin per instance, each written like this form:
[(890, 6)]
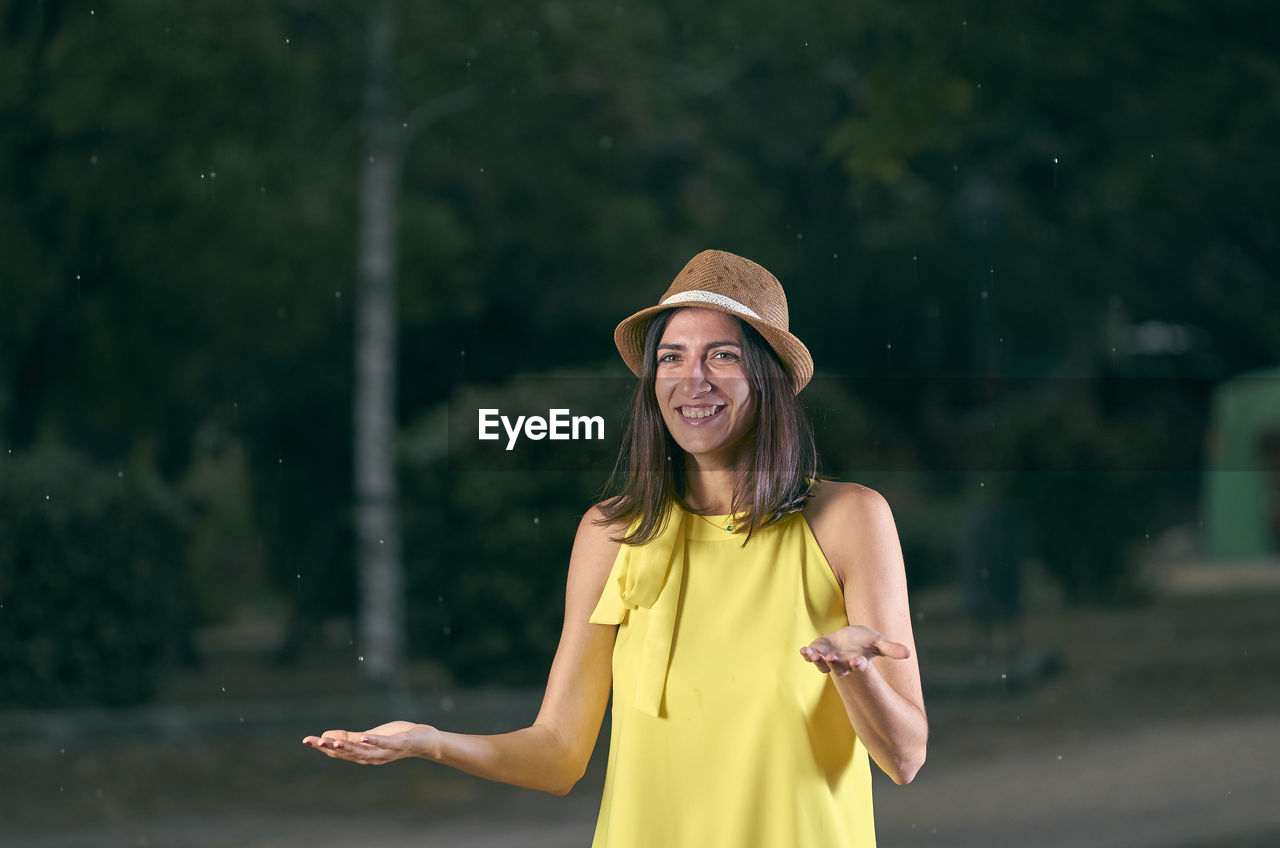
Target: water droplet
[(447, 630), (1059, 756), (360, 659), (984, 295), (338, 295), (120, 474), (535, 519), (46, 497)]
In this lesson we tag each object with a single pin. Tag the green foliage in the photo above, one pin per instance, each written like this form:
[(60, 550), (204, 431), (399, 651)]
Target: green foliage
[(944, 191), (92, 593)]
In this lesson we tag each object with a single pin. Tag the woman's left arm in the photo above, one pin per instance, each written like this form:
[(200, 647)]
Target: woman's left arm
[(872, 661)]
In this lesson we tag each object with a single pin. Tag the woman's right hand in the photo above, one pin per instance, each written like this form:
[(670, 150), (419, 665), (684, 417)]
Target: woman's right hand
[(395, 740)]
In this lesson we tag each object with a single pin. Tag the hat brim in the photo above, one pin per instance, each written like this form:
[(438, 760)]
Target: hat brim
[(796, 359)]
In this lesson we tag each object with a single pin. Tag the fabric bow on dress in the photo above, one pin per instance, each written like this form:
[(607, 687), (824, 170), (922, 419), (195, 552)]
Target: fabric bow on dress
[(648, 577)]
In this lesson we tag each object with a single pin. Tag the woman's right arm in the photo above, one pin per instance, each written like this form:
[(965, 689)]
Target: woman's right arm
[(552, 753)]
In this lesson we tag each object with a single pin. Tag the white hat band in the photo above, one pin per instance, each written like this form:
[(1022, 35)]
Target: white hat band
[(700, 296)]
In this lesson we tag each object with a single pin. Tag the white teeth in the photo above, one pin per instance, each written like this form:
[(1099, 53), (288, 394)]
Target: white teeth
[(702, 412)]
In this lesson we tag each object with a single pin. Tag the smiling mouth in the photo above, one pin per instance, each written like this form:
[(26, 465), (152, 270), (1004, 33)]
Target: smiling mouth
[(699, 412)]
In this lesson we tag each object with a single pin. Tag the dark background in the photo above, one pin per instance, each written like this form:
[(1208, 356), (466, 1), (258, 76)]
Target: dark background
[(1027, 244)]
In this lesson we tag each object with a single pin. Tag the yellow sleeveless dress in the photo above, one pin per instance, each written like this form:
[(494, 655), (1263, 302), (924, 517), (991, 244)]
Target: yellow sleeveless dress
[(722, 735)]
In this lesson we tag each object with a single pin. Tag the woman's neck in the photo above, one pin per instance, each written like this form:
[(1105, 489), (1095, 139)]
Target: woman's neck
[(709, 491)]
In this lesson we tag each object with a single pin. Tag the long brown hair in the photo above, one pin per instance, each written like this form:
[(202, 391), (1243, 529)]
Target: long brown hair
[(651, 466)]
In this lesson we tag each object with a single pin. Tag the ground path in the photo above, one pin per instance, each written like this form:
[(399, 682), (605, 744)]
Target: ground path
[(1166, 786), (1158, 729)]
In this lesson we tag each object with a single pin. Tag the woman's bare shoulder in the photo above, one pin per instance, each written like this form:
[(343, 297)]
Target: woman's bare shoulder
[(599, 519), (597, 534), (594, 552), (835, 501), (849, 521)]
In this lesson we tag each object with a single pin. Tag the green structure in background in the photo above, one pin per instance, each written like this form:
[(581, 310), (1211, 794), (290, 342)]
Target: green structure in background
[(1242, 486)]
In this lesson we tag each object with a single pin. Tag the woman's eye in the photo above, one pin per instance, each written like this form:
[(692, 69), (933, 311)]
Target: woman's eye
[(667, 357), (725, 355)]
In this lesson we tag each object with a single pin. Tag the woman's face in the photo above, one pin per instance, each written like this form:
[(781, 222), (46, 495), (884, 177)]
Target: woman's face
[(703, 392)]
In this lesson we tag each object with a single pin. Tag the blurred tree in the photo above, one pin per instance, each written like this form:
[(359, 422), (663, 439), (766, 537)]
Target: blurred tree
[(381, 612)]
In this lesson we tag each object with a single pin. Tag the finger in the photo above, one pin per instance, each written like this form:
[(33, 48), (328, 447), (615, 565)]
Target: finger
[(812, 656), (318, 741), (338, 739), (892, 650), (821, 645), (839, 667), (353, 751)]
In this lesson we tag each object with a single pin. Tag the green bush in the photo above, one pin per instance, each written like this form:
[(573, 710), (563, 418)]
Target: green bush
[(91, 588)]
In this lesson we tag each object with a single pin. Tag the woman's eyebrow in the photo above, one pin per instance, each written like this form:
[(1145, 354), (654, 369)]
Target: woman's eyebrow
[(675, 346)]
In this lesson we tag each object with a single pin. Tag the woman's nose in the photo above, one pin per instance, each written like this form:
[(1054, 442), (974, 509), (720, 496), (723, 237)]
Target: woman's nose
[(694, 379)]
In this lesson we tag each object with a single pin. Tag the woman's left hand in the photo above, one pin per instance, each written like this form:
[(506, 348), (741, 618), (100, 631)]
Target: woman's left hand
[(851, 648)]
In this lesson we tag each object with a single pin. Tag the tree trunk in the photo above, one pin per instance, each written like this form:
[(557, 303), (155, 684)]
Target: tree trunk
[(378, 565)]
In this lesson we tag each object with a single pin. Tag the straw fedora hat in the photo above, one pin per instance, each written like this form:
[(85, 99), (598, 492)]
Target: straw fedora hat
[(735, 286)]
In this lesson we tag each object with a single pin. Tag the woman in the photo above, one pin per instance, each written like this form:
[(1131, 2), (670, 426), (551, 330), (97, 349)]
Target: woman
[(691, 592)]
